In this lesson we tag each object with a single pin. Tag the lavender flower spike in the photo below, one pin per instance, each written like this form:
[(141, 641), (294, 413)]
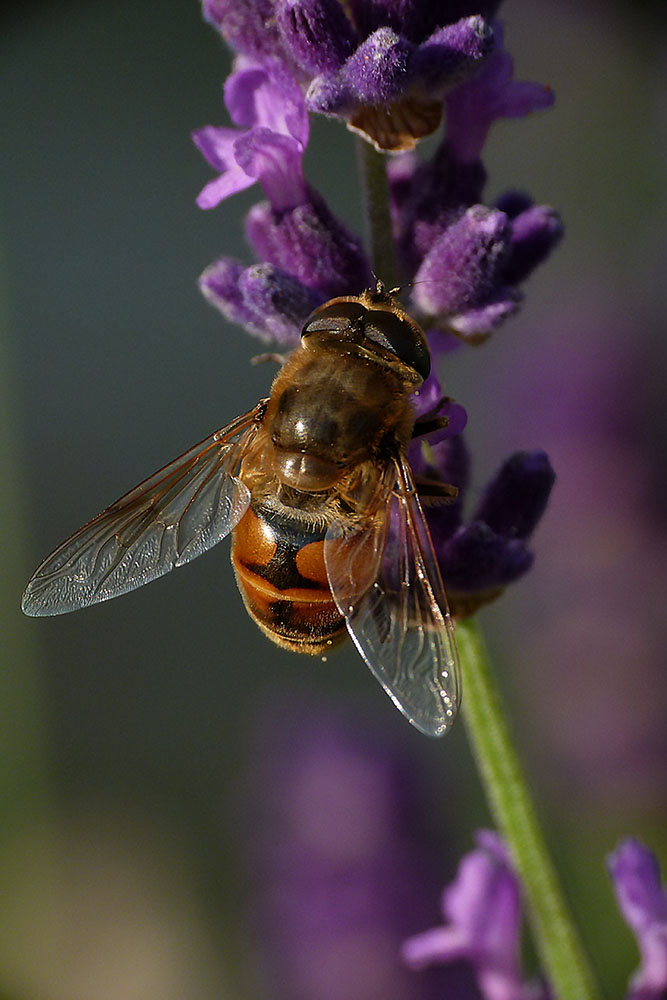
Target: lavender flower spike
[(478, 559), (643, 902), (270, 304), (317, 34), (390, 89), (309, 254), (476, 104), (460, 284), (309, 243), (536, 229), (466, 282), (382, 68), (249, 27)]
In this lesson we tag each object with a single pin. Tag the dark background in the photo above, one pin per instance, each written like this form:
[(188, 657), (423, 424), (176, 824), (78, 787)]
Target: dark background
[(129, 727)]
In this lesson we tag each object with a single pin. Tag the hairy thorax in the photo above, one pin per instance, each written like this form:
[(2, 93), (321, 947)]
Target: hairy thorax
[(326, 416)]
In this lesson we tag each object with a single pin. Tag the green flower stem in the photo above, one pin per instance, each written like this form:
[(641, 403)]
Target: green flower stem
[(554, 931), (372, 166), (555, 934)]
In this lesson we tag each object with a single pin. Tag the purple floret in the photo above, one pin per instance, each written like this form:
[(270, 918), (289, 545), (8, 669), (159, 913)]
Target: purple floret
[(481, 909), (643, 902)]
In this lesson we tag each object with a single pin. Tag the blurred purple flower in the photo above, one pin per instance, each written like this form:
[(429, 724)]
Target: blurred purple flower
[(595, 710), (482, 913), (643, 902), (342, 860)]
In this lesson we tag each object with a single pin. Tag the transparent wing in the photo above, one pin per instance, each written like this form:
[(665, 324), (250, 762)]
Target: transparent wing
[(169, 519), (386, 582)]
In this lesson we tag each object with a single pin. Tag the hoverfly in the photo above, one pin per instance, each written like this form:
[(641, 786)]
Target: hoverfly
[(328, 533)]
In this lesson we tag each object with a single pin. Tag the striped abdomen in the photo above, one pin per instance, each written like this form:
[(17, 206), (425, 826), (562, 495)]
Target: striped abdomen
[(278, 559)]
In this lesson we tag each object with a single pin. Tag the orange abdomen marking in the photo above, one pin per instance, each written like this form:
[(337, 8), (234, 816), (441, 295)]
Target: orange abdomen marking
[(278, 559)]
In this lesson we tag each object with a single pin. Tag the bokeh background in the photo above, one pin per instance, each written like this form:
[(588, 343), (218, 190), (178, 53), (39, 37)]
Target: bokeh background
[(187, 811)]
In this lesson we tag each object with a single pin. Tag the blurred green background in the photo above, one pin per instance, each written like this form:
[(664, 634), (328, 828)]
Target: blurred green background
[(128, 731)]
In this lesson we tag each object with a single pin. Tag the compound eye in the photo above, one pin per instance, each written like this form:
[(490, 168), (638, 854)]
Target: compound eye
[(400, 335), (339, 316)]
